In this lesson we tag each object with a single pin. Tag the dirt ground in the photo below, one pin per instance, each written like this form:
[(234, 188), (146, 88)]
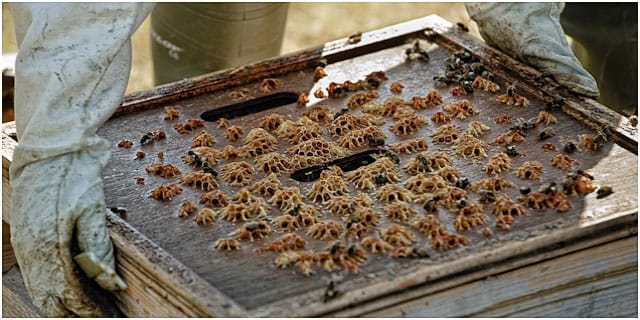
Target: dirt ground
[(308, 25)]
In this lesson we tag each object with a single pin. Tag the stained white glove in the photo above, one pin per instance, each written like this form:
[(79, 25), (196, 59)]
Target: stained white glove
[(531, 32), (72, 70)]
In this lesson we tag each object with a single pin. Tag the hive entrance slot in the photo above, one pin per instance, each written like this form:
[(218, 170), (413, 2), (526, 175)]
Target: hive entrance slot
[(349, 163), (250, 106)]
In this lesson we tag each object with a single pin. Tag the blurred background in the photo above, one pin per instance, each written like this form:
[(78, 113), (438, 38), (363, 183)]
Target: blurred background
[(308, 25)]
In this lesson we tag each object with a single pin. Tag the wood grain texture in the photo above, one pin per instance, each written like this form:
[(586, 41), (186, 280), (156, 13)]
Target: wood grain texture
[(573, 285), (170, 262), (8, 145), (604, 233), (15, 300), (8, 257), (160, 286), (191, 244)]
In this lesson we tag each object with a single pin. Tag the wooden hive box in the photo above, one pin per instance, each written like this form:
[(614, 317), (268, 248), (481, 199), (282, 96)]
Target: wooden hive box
[(575, 263)]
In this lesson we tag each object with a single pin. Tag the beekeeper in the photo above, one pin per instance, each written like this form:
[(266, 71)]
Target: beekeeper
[(72, 70)]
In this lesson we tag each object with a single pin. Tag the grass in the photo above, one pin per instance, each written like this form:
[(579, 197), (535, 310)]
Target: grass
[(309, 24)]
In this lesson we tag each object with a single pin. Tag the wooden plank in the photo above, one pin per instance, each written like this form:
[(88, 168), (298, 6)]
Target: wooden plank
[(573, 285), (8, 257), (8, 145), (494, 261), (548, 253), (15, 300), (156, 279), (333, 51)]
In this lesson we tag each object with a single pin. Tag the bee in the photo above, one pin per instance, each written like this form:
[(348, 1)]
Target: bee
[(488, 75), (146, 138), (548, 188), (336, 90), (381, 179), (352, 206), (469, 76), (432, 204), (462, 182), (477, 67), (511, 89), (430, 34), (511, 151), (139, 155), (486, 196), (322, 63), (393, 157), (546, 134), (252, 226), (424, 56), (353, 250), (354, 38), (462, 203), (604, 191), (442, 79), (523, 127), (207, 169), (570, 147), (331, 293), (599, 139), (352, 221), (585, 174), (463, 55), (462, 27), (633, 120), (336, 247), (409, 252), (341, 112), (467, 85), (416, 49), (424, 161), (195, 158), (376, 142), (556, 102)]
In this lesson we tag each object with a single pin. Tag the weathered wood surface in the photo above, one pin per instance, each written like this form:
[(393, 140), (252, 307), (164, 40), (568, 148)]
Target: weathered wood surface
[(573, 284), (8, 258), (523, 259), (169, 262), (15, 300), (598, 282), (8, 145)]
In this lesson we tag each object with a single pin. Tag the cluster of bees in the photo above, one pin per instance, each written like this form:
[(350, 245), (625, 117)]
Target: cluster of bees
[(369, 210)]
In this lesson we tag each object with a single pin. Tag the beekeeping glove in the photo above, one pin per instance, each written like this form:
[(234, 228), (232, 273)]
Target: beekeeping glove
[(531, 32), (72, 69)]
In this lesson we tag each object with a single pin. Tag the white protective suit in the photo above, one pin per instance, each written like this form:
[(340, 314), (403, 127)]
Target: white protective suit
[(71, 73), (72, 70)]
